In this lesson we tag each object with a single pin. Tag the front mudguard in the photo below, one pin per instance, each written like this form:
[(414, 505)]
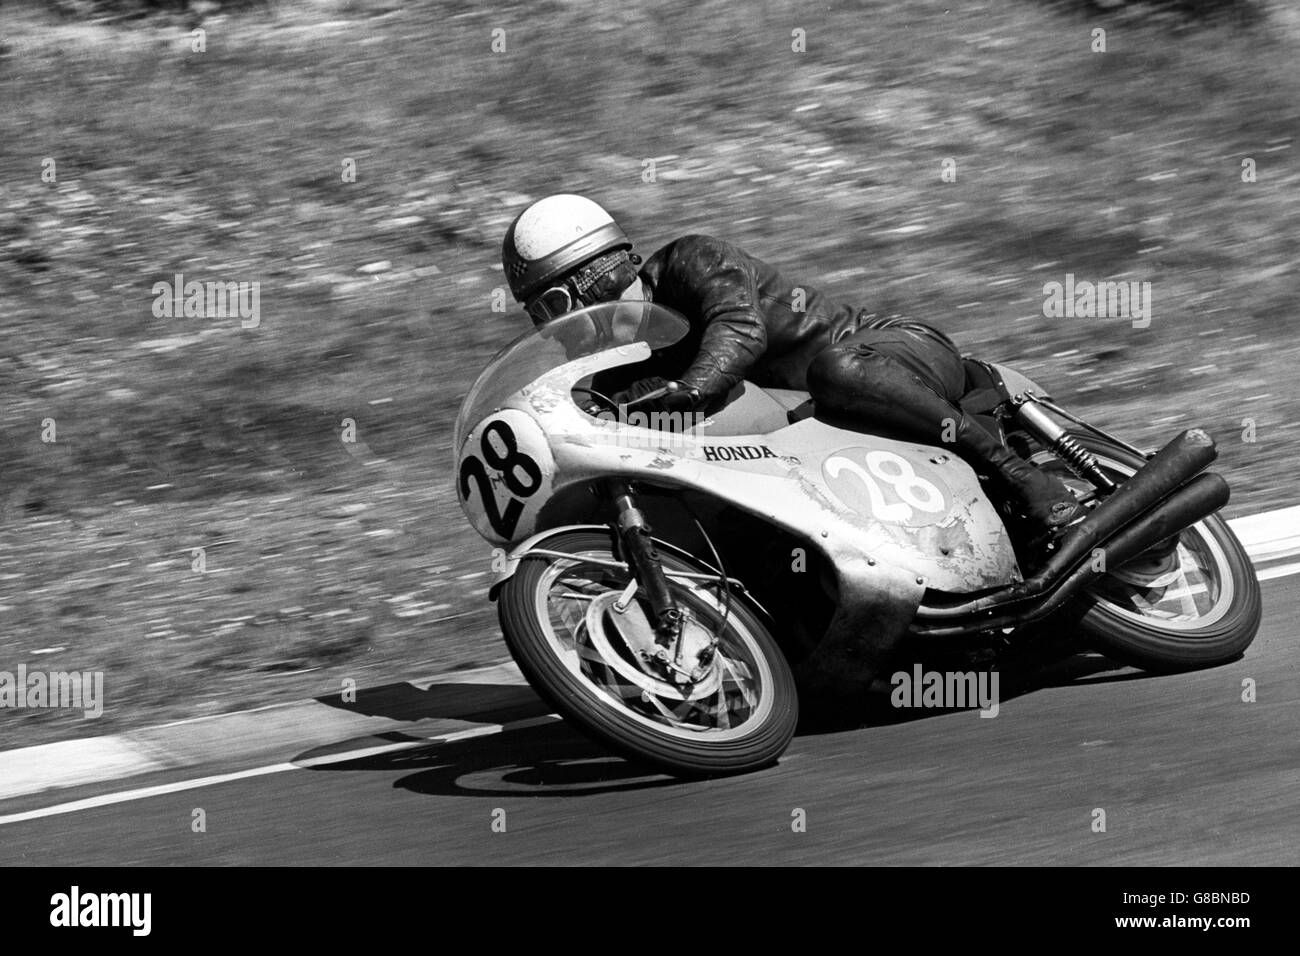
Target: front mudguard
[(519, 551), (538, 541)]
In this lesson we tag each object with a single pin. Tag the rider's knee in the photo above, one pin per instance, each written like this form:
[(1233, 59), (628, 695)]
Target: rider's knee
[(837, 370)]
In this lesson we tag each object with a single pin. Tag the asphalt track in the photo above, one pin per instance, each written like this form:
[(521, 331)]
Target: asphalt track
[(1185, 771)]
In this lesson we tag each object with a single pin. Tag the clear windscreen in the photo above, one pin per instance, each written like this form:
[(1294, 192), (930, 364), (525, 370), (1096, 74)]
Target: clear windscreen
[(579, 334)]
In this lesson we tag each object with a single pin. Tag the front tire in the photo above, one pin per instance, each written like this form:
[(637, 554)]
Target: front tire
[(556, 621)]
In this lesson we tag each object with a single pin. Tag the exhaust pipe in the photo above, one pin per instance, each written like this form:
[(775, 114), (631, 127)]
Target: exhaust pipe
[(1200, 498), (1167, 471), (1171, 468)]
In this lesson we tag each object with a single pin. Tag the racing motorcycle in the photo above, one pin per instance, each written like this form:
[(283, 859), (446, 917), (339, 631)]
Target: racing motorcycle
[(662, 579)]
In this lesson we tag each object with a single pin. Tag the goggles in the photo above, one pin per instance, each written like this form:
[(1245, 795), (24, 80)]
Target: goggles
[(572, 292), (551, 304)]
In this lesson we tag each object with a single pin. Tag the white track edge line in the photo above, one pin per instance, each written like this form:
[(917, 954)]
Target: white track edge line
[(162, 789), (1280, 571), (141, 793)]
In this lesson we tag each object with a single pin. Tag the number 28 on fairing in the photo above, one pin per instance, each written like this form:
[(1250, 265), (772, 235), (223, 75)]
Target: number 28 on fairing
[(504, 475), (886, 486)]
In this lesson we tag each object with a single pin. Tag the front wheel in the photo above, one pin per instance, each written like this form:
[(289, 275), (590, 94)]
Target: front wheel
[(1191, 602), (578, 652)]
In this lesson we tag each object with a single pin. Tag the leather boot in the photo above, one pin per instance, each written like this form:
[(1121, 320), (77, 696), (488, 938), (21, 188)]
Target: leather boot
[(1044, 499)]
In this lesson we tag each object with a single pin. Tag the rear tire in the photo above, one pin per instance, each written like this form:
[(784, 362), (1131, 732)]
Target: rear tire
[(1111, 616), (604, 702)]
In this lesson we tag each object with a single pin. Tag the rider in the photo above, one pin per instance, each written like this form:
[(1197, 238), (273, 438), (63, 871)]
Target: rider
[(894, 377)]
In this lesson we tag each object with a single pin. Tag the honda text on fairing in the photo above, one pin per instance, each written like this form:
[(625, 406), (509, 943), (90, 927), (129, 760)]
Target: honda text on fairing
[(664, 584)]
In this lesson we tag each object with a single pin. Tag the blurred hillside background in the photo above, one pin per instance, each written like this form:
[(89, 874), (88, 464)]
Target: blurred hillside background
[(326, 560)]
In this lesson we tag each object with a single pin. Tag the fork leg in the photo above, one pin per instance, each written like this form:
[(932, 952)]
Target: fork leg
[(639, 548)]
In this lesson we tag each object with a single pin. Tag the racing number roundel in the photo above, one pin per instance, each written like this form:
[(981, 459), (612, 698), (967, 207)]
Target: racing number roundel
[(504, 475), (886, 486)]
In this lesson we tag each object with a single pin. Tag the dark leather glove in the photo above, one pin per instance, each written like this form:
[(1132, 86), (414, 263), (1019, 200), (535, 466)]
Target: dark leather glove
[(681, 398), (638, 390), (671, 397)]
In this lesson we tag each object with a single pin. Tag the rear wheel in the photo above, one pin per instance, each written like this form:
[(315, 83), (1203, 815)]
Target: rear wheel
[(1193, 601), (579, 652)]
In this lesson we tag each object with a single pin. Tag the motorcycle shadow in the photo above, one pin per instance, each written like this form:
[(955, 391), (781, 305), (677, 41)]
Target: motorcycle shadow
[(533, 754), (484, 703), (530, 755), (1050, 662), (549, 759)]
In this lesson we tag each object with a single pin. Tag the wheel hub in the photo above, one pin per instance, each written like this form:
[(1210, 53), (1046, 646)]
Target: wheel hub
[(689, 668), (1154, 569)]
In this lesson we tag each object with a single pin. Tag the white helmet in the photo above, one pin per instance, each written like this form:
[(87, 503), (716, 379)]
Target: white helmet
[(552, 238)]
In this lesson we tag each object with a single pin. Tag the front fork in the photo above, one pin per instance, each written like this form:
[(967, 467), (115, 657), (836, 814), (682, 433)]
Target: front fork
[(647, 571)]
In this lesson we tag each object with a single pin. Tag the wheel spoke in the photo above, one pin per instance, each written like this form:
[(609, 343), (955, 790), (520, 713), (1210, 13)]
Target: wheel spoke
[(741, 685), (727, 696), (721, 708)]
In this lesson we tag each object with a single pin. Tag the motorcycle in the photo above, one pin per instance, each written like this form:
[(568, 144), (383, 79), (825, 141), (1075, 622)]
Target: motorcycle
[(661, 580)]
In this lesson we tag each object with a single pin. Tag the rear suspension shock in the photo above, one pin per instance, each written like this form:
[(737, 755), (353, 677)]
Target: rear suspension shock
[(1077, 458)]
